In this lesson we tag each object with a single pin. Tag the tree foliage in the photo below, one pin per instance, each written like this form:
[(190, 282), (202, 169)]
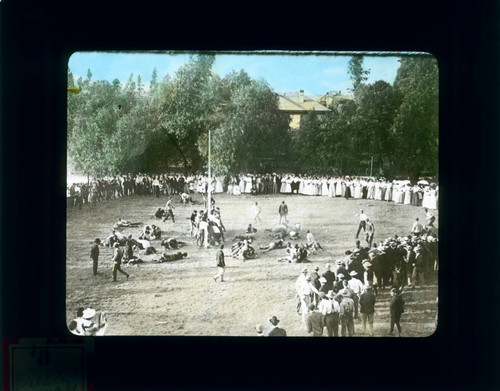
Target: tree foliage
[(125, 127)]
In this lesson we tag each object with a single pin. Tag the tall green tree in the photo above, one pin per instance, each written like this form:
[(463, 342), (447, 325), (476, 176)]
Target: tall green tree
[(182, 106), (377, 105), (416, 127), (358, 74), (102, 127), (251, 132)]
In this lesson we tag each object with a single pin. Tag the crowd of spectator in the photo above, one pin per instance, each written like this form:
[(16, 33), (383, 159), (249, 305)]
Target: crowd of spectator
[(420, 193), (334, 298)]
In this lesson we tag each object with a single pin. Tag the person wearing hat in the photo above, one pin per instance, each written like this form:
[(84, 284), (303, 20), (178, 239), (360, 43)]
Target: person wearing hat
[(276, 331), (357, 287), (338, 285), (418, 271), (315, 322), (94, 254), (315, 282), (367, 308), (117, 261), (362, 222), (220, 263), (324, 288), (396, 308), (370, 277), (330, 309), (346, 313), (81, 322), (329, 275)]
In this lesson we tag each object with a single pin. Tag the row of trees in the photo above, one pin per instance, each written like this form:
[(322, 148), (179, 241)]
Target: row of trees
[(115, 128), (385, 130)]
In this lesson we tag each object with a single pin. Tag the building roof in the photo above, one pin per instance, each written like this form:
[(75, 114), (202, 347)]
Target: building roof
[(299, 103)]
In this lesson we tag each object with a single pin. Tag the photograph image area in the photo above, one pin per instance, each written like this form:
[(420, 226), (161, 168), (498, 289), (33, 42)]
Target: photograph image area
[(247, 194)]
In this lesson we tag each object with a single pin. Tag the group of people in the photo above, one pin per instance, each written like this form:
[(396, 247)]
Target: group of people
[(334, 299), (419, 193), (349, 287), (88, 322)]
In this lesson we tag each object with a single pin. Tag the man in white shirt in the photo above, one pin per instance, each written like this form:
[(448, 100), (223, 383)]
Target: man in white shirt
[(417, 228), (362, 222), (357, 287), (330, 309), (169, 210)]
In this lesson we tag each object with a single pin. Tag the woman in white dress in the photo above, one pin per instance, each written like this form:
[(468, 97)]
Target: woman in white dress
[(241, 184), (395, 192), (408, 194), (357, 189), (218, 185), (378, 191), (283, 184), (324, 187), (248, 184), (288, 185), (331, 187), (371, 190), (338, 187)]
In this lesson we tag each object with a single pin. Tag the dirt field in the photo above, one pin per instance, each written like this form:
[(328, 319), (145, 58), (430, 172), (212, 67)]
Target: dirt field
[(181, 298)]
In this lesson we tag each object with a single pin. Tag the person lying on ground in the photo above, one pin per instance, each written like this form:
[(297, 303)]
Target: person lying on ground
[(172, 243), (248, 234), (272, 245), (124, 223), (244, 250), (171, 257)]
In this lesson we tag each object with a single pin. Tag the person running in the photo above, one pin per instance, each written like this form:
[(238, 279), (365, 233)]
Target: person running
[(169, 210)]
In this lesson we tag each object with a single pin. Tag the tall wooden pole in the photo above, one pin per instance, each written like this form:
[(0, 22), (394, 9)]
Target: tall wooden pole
[(209, 190)]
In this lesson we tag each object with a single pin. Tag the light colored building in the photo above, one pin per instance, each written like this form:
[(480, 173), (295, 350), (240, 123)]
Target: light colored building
[(299, 104)]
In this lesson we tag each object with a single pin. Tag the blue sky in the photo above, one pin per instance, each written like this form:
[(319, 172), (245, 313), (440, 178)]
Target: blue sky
[(314, 73)]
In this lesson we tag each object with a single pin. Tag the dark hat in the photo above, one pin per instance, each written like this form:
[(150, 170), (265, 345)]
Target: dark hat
[(274, 320), (394, 290), (97, 240), (316, 268)]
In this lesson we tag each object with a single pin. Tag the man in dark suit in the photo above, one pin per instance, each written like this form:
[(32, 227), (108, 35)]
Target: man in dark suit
[(94, 254), (283, 211), (276, 331)]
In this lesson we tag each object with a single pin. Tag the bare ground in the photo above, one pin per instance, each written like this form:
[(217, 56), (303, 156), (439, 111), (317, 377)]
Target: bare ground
[(181, 298)]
